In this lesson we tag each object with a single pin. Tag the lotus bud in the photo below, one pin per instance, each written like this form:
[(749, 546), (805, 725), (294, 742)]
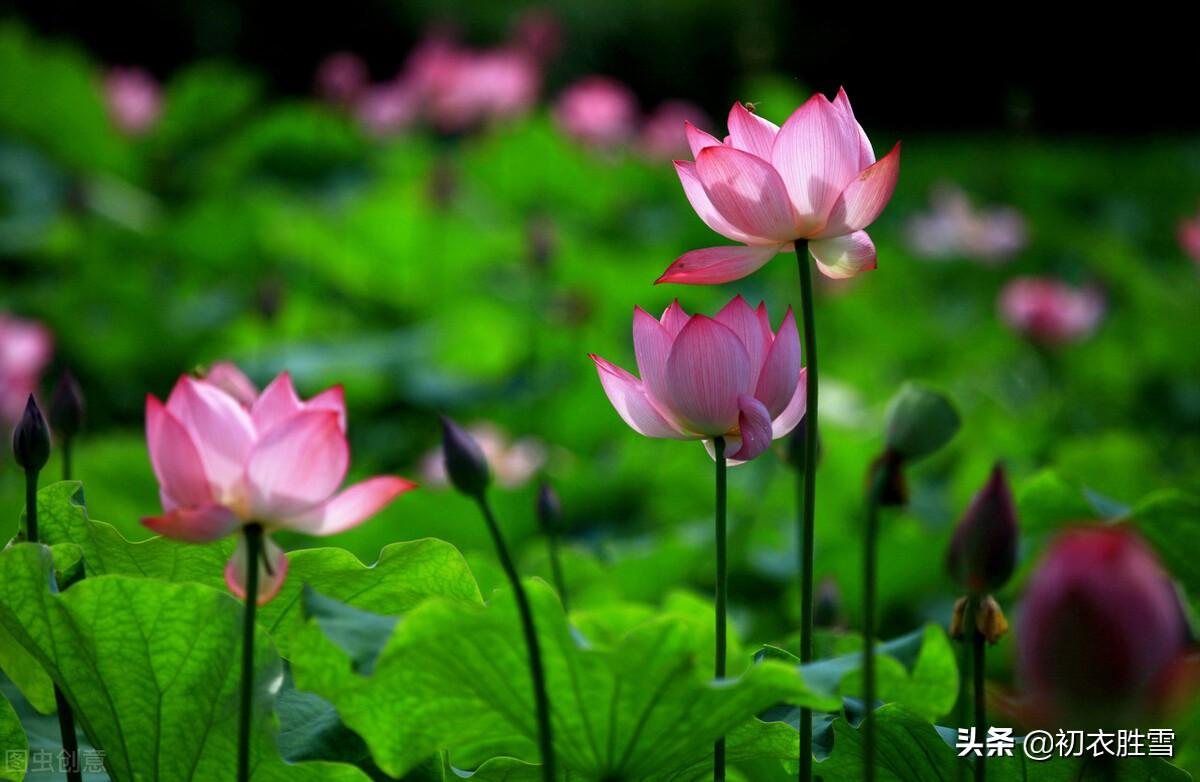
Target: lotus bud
[(31, 438), (465, 463), (828, 607), (920, 421), (549, 507), (983, 551), (66, 406)]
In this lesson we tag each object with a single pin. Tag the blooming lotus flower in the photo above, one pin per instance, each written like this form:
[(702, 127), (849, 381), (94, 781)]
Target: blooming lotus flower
[(765, 186), (25, 348), (702, 378), (664, 133), (952, 227), (1101, 633), (277, 461), (597, 111), (1189, 237), (134, 99), (1050, 312)]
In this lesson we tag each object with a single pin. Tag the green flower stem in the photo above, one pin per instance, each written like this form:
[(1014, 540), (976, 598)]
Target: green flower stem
[(978, 647), (66, 718), (722, 592), (807, 518), (878, 481), (545, 736), (556, 571), (254, 535)]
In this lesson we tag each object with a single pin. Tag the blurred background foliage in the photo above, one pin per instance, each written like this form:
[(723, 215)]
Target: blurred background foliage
[(472, 273)]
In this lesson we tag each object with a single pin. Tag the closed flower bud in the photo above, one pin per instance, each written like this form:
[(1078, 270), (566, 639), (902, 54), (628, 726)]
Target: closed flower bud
[(66, 406), (828, 607), (31, 438), (1101, 631), (919, 422), (983, 551), (549, 507), (888, 468), (465, 463)]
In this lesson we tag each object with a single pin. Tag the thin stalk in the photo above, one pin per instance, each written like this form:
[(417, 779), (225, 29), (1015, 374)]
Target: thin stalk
[(807, 517), (254, 534), (536, 671), (66, 718), (556, 572), (978, 647), (869, 587), (722, 592)]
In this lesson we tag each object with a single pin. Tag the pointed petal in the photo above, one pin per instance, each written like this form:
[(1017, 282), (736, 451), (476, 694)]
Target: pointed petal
[(754, 422), (816, 158), (866, 155), (220, 428), (627, 395), (332, 398), (794, 412), (751, 133), (351, 506), (226, 376), (674, 319), (277, 403), (706, 372), (270, 579), (844, 256), (714, 265), (703, 206), (865, 197), (296, 465), (748, 193), (698, 139), (651, 346), (781, 368), (195, 525), (746, 323), (175, 459)]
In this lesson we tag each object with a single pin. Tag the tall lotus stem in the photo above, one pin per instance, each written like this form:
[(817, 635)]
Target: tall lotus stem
[(722, 591), (254, 539), (807, 525)]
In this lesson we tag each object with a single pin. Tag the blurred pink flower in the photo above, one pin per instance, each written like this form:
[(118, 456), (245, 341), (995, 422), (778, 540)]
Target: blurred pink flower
[(815, 178), (278, 462), (1189, 237), (1051, 312), (597, 111), (664, 134), (25, 349), (134, 99), (1101, 630), (387, 108), (513, 463), (952, 227), (702, 378), (342, 77)]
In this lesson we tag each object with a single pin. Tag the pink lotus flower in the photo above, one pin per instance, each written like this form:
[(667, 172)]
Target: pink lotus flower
[(1050, 312), (953, 227), (815, 178), (387, 108), (341, 77), (25, 348), (1101, 631), (702, 377), (597, 111), (277, 462), (1189, 237), (664, 134), (134, 99)]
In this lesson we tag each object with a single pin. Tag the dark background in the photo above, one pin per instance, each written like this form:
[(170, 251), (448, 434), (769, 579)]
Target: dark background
[(993, 66)]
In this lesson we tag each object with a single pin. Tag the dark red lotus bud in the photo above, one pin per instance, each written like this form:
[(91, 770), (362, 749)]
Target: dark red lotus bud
[(983, 551), (31, 438), (465, 463), (1101, 632), (549, 508), (66, 406)]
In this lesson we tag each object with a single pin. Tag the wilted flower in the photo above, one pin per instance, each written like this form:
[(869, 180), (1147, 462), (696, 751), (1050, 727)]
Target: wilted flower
[(952, 227), (983, 551), (664, 133), (134, 99), (1189, 237), (1050, 312), (277, 462), (513, 462), (597, 111), (815, 178), (702, 378), (341, 77), (1101, 632), (25, 348)]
